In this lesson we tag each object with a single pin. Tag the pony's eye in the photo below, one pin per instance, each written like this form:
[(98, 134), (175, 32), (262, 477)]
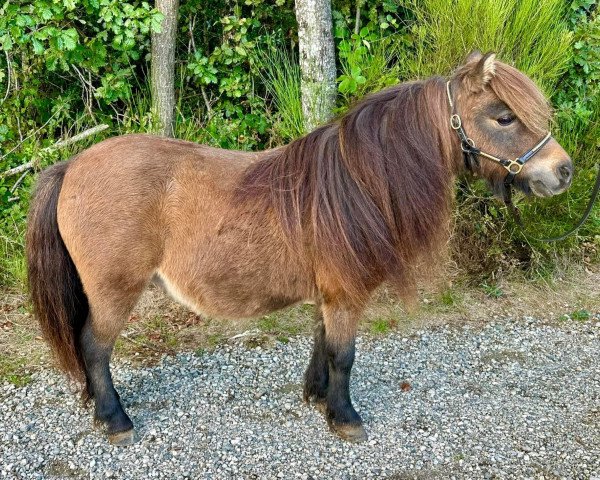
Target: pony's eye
[(505, 120)]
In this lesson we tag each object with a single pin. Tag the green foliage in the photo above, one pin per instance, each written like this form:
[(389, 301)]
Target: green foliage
[(223, 64), (369, 55), (87, 40), (532, 34), (367, 61), (578, 103), (280, 74)]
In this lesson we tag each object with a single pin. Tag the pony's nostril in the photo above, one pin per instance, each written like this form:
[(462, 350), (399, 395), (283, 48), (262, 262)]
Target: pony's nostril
[(565, 172)]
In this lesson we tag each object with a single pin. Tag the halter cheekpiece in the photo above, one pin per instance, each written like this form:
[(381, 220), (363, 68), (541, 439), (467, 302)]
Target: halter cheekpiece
[(471, 152)]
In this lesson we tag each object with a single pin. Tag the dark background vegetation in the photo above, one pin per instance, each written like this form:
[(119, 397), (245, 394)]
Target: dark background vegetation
[(66, 66)]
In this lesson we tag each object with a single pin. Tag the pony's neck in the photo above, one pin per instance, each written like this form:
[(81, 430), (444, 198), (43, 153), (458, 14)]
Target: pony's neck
[(406, 123), (367, 195)]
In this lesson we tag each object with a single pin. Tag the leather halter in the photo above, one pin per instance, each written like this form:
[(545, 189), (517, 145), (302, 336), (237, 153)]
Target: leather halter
[(471, 152), (513, 167)]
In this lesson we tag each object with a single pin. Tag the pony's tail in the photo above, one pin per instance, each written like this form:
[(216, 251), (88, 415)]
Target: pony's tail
[(56, 292)]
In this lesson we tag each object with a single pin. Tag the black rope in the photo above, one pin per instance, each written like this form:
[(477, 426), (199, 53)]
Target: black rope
[(519, 221)]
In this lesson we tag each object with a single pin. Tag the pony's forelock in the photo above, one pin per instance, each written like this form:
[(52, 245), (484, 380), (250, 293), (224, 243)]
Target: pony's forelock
[(516, 90), (523, 97)]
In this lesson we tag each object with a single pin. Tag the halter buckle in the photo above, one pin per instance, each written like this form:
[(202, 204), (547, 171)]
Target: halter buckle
[(455, 122), (514, 167)]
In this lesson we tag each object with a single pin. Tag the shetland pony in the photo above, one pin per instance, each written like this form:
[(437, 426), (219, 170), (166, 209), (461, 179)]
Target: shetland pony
[(362, 200)]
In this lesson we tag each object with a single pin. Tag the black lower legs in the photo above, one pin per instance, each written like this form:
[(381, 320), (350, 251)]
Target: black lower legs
[(316, 377), (108, 408), (327, 382)]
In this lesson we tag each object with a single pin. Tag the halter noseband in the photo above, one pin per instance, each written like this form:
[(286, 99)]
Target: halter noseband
[(471, 152)]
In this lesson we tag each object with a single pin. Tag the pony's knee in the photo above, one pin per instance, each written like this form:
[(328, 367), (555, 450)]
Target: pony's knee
[(341, 324), (341, 355)]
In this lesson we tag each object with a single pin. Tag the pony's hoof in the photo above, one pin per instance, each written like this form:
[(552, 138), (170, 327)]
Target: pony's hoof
[(351, 433), (123, 439)]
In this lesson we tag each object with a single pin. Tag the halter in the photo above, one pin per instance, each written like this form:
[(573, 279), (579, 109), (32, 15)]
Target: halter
[(513, 167), (471, 152)]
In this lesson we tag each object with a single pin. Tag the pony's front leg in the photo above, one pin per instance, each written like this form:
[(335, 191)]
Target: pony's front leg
[(316, 378), (341, 323)]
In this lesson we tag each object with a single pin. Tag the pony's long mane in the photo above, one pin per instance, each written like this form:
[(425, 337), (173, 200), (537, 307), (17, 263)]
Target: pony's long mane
[(366, 196)]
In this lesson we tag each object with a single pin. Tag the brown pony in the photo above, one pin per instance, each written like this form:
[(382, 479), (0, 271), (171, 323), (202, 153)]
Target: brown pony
[(325, 219)]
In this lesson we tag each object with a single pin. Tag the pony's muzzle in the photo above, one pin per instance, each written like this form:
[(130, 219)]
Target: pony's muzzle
[(553, 181)]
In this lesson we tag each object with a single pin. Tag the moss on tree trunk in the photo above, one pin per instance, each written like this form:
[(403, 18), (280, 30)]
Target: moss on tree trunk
[(163, 66), (317, 61)]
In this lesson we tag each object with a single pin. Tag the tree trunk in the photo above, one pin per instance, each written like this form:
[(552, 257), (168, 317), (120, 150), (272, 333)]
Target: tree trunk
[(317, 61), (163, 66)]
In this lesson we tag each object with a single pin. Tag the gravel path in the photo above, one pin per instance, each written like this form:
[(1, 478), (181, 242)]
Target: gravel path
[(512, 399)]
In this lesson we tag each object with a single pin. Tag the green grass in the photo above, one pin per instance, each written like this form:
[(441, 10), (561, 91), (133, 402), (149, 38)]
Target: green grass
[(18, 380), (581, 315), (450, 298), (287, 322), (380, 326), (13, 271), (215, 339), (533, 34), (199, 352), (13, 369), (491, 290), (280, 73)]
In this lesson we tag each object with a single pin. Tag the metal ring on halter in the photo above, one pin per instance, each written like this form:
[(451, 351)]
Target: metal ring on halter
[(517, 167), (455, 122), (470, 144)]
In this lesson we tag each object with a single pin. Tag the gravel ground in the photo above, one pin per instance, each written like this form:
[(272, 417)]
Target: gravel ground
[(511, 399)]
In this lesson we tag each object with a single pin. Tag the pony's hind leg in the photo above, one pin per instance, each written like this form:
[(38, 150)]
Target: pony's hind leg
[(340, 324), (98, 337), (316, 378)]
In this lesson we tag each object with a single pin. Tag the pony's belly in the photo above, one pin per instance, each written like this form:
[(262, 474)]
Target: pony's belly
[(240, 302)]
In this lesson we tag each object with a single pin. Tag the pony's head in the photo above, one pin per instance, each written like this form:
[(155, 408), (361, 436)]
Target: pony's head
[(505, 115)]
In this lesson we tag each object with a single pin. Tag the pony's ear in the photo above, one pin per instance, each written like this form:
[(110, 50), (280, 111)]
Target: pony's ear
[(481, 72), (473, 56)]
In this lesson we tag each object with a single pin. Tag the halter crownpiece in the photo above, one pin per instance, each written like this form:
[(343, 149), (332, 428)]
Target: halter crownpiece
[(471, 152)]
